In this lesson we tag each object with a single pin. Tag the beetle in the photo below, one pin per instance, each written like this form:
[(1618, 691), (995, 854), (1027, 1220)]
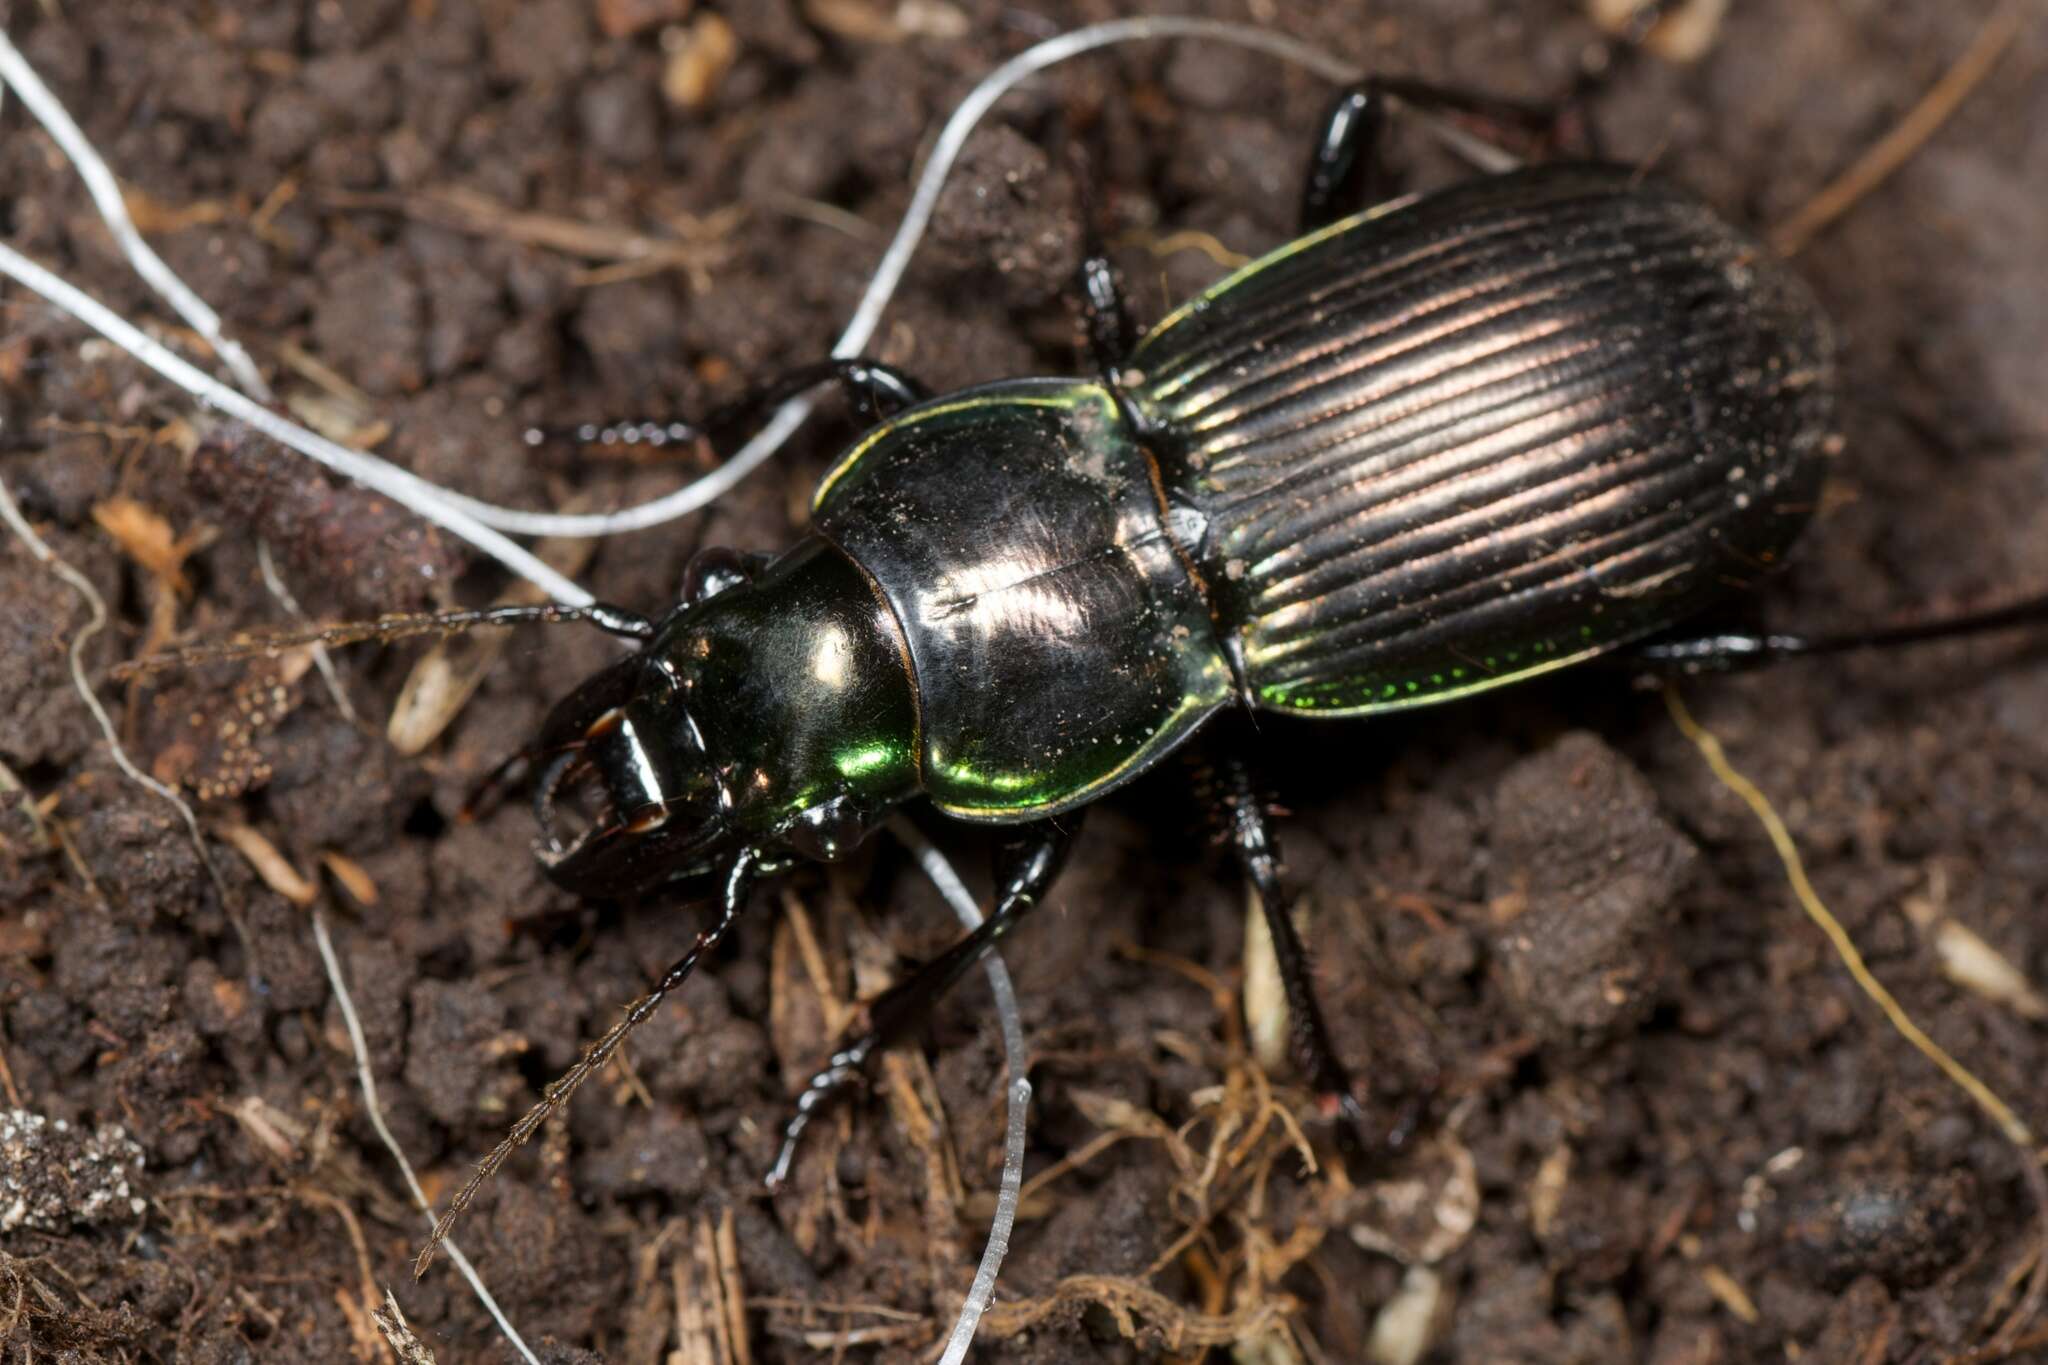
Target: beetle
[(1430, 448), (1433, 447), (1424, 451)]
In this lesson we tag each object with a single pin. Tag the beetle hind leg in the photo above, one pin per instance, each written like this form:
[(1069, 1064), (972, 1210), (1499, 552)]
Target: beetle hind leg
[(1250, 830), (1734, 650)]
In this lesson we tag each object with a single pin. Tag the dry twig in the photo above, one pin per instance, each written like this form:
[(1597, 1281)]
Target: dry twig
[(10, 512), (1907, 136), (398, 1333), (2008, 1123), (1139, 1312)]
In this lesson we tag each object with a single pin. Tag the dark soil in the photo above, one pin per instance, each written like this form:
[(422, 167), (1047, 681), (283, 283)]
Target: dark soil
[(1681, 1134)]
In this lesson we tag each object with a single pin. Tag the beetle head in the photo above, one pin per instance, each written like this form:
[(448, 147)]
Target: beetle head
[(773, 709), (627, 797)]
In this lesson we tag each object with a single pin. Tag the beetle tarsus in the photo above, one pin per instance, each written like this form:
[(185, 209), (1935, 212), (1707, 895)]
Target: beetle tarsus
[(874, 390), (842, 1073)]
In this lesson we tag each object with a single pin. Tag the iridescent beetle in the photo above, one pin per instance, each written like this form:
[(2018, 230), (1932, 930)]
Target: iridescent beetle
[(1436, 447)]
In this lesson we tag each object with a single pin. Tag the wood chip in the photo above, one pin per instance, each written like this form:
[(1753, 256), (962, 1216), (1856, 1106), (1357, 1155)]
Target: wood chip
[(1546, 1192), (350, 874), (1976, 966), (1408, 1322), (1966, 958), (1731, 1295), (276, 871), (698, 58), (448, 675), (156, 217), (145, 537), (860, 21), (1685, 34)]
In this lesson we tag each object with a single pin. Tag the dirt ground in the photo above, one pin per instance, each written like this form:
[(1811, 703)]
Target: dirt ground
[(1661, 1123)]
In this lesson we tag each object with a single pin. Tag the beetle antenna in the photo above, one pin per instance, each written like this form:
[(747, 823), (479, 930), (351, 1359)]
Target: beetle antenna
[(395, 626), (739, 879)]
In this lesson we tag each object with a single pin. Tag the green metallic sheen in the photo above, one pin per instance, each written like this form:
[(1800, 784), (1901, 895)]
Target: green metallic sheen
[(1059, 642), (796, 683)]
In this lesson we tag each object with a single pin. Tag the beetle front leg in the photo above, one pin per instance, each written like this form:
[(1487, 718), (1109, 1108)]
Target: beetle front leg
[(1105, 320), (1027, 860), (1103, 314)]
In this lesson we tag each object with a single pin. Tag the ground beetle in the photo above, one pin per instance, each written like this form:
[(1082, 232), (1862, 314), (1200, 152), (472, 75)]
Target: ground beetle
[(1435, 447)]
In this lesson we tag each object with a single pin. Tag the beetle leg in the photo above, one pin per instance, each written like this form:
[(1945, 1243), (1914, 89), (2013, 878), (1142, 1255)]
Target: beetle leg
[(1251, 835), (1103, 314), (1104, 318), (1729, 651), (1027, 861), (1347, 169), (1344, 169), (874, 390)]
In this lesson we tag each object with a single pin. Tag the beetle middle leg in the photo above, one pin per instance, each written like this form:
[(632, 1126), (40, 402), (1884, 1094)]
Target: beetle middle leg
[(1028, 859)]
